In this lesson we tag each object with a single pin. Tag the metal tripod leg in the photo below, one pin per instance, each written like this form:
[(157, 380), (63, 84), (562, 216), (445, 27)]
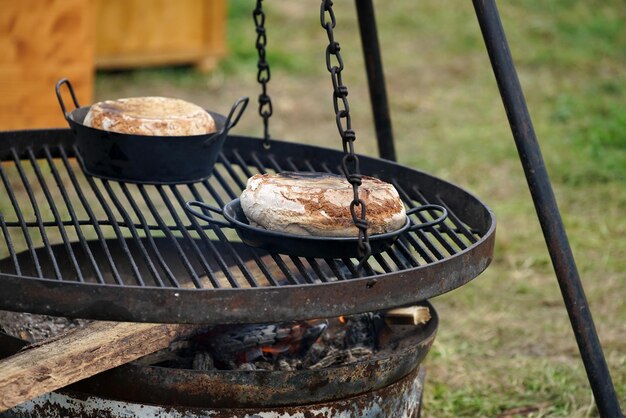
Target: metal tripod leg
[(547, 210), (376, 79)]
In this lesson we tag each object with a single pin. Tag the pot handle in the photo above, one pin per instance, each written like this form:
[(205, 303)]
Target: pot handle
[(189, 207), (437, 208), (230, 122), (60, 97)]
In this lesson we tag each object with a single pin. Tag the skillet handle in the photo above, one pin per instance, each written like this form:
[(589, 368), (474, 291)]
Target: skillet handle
[(437, 208), (189, 207), (60, 97), (230, 122)]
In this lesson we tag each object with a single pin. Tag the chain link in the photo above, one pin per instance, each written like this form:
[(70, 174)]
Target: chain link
[(263, 74), (350, 161)]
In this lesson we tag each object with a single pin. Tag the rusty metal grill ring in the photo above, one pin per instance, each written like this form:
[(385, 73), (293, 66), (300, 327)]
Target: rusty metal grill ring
[(127, 252)]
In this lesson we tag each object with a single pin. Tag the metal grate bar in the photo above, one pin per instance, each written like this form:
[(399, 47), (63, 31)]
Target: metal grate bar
[(20, 218), (420, 233), (201, 234), (221, 235), (312, 261), (308, 164), (409, 240), (144, 252), (405, 252), (33, 201), (88, 222), (269, 276), (296, 261), (293, 166), (231, 193), (394, 257), (214, 194), (185, 233), (168, 233), (116, 228), (73, 217), (410, 237), (241, 265), (284, 269), (303, 271), (350, 267), (218, 231), (274, 164), (367, 267), (460, 226), (413, 242), (136, 238), (7, 238), (242, 164), (317, 269), (258, 164), (332, 263), (403, 249), (229, 168), (441, 227), (383, 263), (279, 261), (92, 218), (56, 215), (370, 270)]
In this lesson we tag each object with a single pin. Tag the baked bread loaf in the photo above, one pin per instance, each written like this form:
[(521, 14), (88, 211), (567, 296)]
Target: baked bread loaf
[(154, 116), (318, 204)]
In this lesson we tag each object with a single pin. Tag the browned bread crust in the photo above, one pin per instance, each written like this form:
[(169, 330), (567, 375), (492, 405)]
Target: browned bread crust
[(319, 204), (154, 116)]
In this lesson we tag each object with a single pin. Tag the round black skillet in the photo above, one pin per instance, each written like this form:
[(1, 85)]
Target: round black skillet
[(306, 246)]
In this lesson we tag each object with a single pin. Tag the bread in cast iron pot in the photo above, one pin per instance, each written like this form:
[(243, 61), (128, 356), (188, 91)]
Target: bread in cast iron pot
[(318, 204), (153, 116)]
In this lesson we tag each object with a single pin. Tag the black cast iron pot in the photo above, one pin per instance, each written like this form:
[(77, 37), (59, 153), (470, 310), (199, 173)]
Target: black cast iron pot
[(304, 245), (148, 159)]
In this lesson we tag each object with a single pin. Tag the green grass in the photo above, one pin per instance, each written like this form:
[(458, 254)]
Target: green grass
[(505, 346), (595, 125)]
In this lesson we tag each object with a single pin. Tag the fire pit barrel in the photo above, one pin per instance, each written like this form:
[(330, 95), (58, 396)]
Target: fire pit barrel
[(387, 384)]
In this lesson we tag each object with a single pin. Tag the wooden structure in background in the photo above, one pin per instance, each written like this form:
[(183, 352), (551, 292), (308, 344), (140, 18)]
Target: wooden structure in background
[(40, 42), (138, 33)]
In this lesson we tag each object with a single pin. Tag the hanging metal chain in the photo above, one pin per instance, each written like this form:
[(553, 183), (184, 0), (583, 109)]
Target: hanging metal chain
[(263, 74), (350, 162)]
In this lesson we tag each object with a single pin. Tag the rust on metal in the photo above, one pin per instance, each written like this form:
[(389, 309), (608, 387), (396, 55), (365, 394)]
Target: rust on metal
[(131, 272), (402, 351), (221, 388), (401, 399)]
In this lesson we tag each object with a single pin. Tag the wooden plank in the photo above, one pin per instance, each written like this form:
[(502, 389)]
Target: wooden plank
[(100, 346), (79, 354), (412, 315)]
